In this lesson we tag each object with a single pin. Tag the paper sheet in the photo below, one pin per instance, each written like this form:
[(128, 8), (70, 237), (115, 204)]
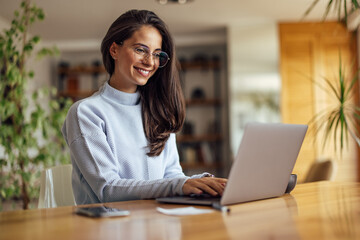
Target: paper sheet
[(183, 211)]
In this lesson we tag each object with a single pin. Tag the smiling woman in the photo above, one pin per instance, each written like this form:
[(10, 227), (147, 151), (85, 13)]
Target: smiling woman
[(122, 139), (133, 64)]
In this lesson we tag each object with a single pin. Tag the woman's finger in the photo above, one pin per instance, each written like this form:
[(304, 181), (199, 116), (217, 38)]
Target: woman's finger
[(207, 187), (212, 186)]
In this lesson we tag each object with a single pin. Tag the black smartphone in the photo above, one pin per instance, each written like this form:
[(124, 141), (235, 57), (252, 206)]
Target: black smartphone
[(101, 211)]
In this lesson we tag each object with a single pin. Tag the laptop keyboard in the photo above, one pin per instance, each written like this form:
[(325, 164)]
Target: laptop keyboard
[(204, 196)]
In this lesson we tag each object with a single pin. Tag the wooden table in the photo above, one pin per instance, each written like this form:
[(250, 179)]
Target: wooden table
[(323, 210)]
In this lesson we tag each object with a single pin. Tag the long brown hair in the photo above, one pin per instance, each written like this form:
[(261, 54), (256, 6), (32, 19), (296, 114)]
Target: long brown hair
[(163, 106)]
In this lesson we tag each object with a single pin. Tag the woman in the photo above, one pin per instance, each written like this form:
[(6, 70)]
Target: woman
[(122, 139)]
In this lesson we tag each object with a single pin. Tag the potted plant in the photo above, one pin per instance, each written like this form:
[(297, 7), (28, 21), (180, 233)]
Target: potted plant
[(30, 136), (341, 118)]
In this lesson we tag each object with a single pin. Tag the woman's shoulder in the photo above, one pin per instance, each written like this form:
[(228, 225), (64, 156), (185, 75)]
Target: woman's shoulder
[(86, 114), (86, 105)]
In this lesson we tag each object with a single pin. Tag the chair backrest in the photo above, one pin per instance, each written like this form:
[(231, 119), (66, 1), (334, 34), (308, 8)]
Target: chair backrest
[(321, 170), (56, 188)]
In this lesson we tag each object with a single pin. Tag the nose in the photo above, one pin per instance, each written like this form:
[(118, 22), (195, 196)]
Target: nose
[(149, 60)]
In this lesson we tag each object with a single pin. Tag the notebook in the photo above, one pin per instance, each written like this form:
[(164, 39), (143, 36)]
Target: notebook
[(261, 168)]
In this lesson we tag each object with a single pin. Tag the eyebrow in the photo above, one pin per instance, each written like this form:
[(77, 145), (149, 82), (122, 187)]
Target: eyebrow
[(143, 45)]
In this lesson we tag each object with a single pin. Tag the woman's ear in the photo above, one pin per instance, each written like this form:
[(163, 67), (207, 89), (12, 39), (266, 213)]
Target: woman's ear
[(114, 50)]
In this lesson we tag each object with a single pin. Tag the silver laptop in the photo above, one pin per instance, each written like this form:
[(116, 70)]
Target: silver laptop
[(262, 167)]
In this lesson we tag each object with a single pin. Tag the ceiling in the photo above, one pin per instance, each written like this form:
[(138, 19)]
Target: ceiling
[(89, 19)]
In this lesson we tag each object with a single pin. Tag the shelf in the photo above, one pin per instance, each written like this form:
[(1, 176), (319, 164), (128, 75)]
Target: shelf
[(198, 138), (203, 102), (76, 94), (197, 165), (200, 65), (81, 70)]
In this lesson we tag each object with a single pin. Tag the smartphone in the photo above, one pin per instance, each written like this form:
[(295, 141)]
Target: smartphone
[(101, 211)]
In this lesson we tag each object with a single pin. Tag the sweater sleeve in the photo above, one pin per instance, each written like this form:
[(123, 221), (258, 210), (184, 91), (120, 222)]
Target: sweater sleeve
[(100, 172), (96, 162)]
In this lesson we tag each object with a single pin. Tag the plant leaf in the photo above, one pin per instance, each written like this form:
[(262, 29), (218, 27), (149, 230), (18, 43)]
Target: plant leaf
[(313, 4)]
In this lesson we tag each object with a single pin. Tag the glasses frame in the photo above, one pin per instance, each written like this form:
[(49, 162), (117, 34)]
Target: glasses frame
[(148, 53)]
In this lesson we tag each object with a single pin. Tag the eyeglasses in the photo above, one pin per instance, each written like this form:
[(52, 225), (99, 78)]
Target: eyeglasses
[(161, 58)]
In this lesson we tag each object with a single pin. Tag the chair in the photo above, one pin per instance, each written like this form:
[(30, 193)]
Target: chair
[(321, 170), (56, 189)]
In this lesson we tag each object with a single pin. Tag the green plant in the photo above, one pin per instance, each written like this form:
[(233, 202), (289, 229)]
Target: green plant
[(339, 6), (30, 136), (343, 117)]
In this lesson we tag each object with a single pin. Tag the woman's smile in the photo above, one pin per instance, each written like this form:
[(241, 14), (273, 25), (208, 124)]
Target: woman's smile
[(143, 72)]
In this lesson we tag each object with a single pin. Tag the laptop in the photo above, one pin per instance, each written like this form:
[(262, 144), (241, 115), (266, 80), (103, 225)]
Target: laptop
[(261, 168)]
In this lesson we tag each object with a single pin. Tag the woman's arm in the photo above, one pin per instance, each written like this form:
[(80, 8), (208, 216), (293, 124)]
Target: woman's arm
[(95, 160)]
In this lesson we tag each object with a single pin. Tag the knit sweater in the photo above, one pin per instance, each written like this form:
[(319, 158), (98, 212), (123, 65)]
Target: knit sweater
[(108, 151)]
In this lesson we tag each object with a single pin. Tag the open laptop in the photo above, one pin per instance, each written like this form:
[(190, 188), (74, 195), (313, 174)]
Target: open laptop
[(262, 167)]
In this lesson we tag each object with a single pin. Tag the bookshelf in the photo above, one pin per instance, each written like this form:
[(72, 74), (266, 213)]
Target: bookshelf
[(201, 142), (79, 81)]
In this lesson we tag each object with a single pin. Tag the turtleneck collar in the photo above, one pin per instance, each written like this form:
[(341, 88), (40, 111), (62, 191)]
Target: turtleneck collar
[(120, 97)]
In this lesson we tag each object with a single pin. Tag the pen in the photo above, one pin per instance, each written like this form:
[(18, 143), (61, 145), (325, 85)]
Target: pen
[(221, 208)]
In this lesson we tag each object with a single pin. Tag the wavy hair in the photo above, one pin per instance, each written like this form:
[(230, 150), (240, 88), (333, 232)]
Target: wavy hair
[(163, 106)]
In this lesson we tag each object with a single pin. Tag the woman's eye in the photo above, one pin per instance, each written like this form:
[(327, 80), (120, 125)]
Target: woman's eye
[(157, 55), (140, 50)]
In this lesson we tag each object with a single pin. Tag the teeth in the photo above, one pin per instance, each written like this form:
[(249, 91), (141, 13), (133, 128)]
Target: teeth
[(144, 71)]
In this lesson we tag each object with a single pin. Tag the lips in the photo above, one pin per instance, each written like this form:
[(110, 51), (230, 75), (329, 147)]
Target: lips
[(143, 72)]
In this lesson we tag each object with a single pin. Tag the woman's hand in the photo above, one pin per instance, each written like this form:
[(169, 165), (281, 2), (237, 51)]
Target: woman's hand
[(211, 185)]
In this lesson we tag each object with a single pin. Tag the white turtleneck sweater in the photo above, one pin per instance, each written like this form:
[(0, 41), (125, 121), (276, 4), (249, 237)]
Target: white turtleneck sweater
[(108, 151)]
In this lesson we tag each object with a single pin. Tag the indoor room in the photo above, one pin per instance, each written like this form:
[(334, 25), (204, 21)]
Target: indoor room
[(253, 102)]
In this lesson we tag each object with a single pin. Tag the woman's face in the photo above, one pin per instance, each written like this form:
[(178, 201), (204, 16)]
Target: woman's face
[(132, 67)]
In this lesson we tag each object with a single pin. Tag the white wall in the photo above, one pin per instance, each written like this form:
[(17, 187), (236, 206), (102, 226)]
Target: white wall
[(254, 80), (207, 38), (3, 23)]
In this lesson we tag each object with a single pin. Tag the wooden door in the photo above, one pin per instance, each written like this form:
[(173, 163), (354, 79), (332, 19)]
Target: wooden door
[(310, 52)]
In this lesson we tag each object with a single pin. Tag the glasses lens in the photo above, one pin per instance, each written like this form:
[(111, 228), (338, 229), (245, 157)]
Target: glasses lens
[(163, 59)]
